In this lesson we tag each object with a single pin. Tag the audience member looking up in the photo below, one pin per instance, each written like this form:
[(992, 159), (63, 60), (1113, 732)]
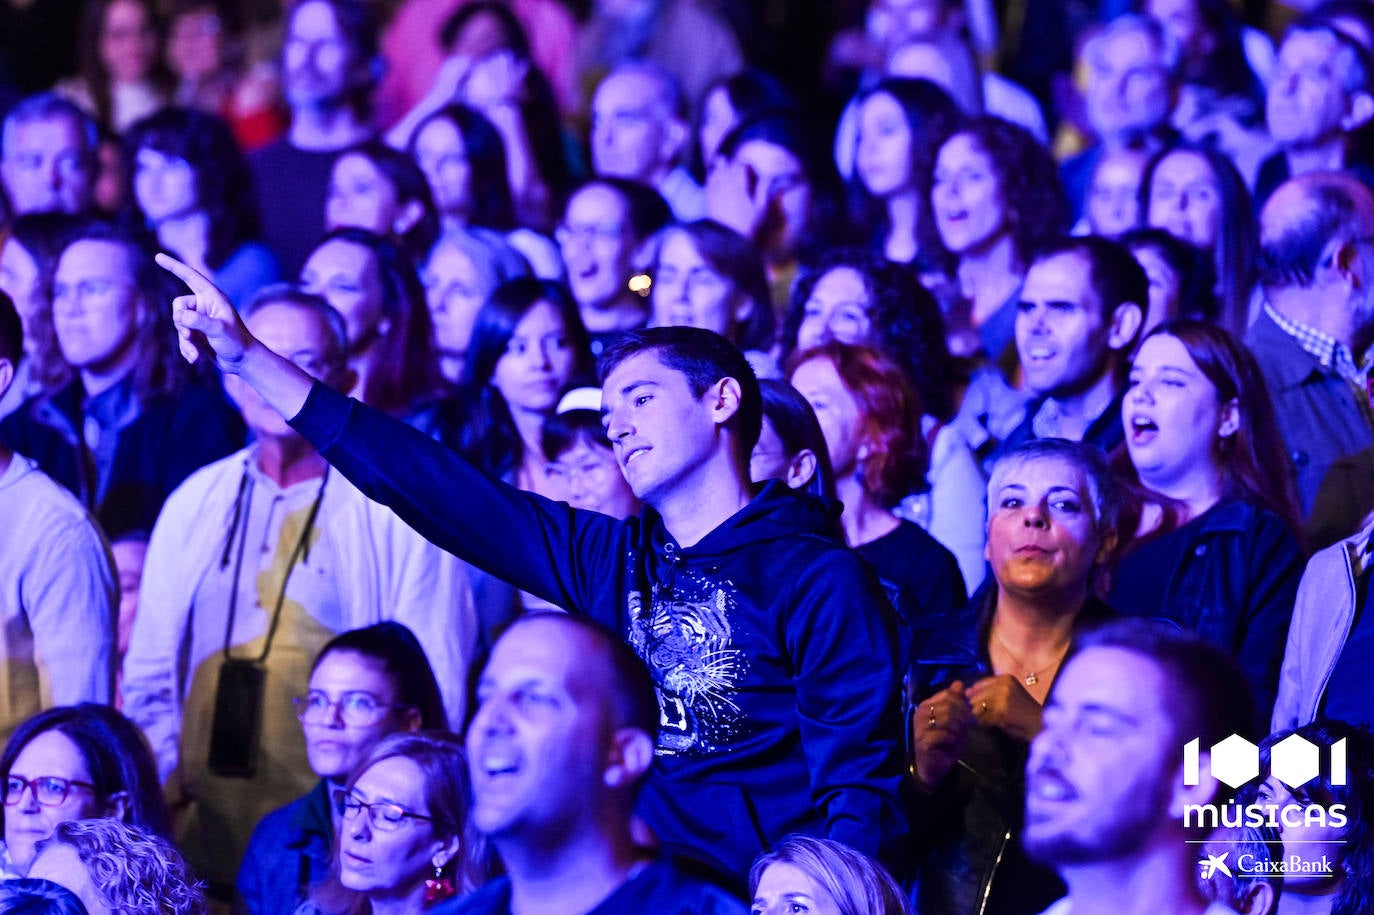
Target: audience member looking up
[(683, 437), (1104, 783), (555, 781), (822, 875), (1077, 322), (1215, 544)]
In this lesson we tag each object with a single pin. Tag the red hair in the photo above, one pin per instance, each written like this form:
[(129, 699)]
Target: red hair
[(889, 417)]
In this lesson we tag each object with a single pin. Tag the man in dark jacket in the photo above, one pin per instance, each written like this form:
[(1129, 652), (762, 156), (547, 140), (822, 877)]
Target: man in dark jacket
[(1316, 266), (773, 660)]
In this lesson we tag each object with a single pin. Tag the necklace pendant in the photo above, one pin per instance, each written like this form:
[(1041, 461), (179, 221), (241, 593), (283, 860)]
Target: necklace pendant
[(1032, 679)]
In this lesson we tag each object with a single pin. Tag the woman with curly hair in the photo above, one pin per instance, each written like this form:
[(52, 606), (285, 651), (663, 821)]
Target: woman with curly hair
[(116, 867), (869, 416), (191, 186), (855, 296), (996, 197)]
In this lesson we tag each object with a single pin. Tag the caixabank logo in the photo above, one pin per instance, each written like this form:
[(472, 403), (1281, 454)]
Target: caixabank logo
[(1293, 762)]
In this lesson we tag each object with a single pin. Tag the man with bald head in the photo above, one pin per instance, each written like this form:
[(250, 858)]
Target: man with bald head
[(1316, 267), (639, 129), (563, 739)]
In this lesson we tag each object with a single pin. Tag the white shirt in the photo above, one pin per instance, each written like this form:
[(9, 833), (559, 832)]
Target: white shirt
[(58, 598)]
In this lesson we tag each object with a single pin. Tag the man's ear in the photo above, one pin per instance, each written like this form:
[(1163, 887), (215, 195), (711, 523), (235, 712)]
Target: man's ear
[(725, 397), (1126, 321), (412, 720), (1257, 897), (630, 756), (1358, 113)]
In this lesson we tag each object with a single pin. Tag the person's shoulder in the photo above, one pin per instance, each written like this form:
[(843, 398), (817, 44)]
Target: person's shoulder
[(221, 476), (491, 898), (672, 886), (43, 504)]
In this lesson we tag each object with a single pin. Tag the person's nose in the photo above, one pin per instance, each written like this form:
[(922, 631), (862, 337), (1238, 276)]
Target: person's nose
[(1034, 515)]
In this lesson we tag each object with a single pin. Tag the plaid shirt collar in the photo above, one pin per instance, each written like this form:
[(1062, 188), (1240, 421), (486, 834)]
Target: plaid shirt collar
[(1326, 349)]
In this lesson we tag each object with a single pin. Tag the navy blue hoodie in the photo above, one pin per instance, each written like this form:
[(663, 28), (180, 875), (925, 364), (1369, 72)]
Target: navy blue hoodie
[(768, 640)]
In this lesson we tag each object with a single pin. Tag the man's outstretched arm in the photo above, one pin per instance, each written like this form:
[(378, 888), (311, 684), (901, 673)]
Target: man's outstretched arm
[(564, 556)]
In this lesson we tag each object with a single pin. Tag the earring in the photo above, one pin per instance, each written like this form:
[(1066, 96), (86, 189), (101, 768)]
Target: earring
[(439, 887)]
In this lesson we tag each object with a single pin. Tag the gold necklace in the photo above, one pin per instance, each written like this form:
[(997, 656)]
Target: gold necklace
[(1032, 677)]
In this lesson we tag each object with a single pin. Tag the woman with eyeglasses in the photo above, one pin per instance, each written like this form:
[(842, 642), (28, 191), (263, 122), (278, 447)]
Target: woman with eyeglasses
[(72, 763), (403, 842), (366, 684)]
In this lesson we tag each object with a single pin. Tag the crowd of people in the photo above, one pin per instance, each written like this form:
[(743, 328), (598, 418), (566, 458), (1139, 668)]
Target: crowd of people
[(686, 456)]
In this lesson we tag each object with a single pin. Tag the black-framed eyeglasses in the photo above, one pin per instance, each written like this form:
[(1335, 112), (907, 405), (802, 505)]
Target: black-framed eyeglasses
[(48, 790), (358, 708), (382, 815)]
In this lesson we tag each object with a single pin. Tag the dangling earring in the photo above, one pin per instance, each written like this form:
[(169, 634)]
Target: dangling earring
[(438, 888)]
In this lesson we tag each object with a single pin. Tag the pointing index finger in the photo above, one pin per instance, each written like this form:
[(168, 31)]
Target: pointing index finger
[(188, 275)]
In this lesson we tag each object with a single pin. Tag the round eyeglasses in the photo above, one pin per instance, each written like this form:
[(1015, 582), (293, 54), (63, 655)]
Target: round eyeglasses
[(357, 708), (48, 790)]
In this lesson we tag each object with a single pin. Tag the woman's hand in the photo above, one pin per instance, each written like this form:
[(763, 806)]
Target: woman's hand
[(206, 323), (939, 727), (1002, 702), (494, 81)]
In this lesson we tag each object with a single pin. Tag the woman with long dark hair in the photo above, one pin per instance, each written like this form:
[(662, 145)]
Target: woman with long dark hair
[(1213, 535), (372, 284), (897, 120), (375, 188), (192, 188), (1196, 195), (119, 59), (464, 160), (527, 345)]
